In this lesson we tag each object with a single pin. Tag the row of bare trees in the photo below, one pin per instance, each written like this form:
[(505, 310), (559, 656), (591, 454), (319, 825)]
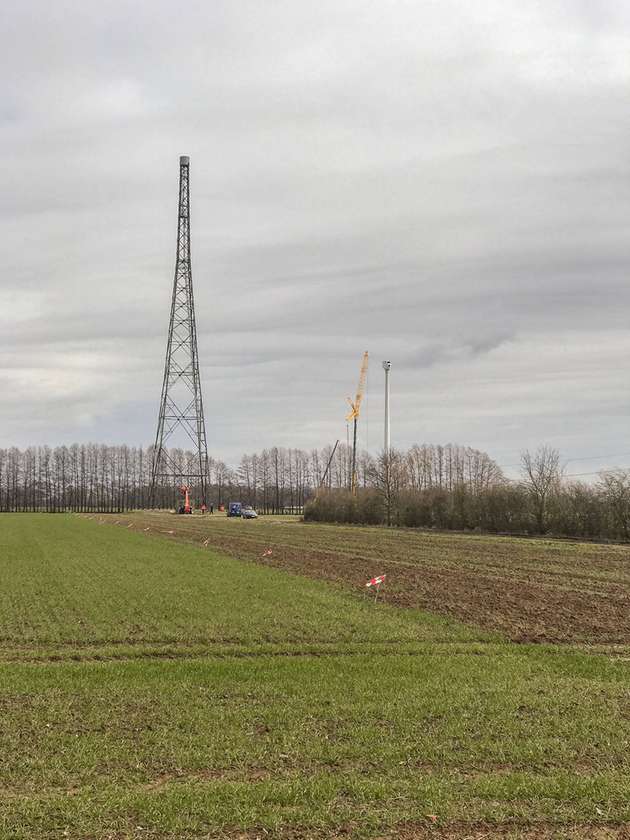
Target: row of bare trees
[(459, 488), (94, 477), (427, 486)]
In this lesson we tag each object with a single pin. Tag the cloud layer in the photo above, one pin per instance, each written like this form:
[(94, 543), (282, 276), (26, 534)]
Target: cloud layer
[(443, 184)]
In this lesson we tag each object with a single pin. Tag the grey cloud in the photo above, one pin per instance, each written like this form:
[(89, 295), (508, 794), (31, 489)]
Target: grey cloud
[(445, 185)]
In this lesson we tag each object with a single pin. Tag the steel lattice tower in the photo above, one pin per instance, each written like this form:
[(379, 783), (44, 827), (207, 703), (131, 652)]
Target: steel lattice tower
[(181, 405)]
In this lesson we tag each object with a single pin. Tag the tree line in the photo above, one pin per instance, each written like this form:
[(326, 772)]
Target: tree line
[(463, 489), (446, 487), (97, 477)]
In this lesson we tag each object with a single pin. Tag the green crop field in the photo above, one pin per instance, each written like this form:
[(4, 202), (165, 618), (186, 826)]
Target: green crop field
[(152, 686)]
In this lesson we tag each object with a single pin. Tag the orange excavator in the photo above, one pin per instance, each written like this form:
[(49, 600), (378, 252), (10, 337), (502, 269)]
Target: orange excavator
[(186, 508)]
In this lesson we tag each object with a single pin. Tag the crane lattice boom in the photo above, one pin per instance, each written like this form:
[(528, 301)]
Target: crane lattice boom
[(355, 405)]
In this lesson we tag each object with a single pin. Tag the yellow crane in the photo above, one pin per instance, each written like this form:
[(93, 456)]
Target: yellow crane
[(355, 411)]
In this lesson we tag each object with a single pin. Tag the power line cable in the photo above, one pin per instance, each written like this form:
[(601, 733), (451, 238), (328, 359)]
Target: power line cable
[(577, 458), (597, 472)]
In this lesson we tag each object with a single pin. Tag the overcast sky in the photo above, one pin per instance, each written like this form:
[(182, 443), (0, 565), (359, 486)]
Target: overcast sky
[(444, 184)]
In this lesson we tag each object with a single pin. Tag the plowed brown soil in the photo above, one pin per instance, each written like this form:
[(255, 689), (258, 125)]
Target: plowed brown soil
[(529, 590)]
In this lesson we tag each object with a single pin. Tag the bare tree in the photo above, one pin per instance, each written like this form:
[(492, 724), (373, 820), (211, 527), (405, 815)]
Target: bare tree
[(614, 486), (541, 477), (388, 474)]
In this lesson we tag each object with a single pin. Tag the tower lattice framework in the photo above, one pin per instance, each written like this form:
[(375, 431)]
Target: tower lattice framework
[(181, 415)]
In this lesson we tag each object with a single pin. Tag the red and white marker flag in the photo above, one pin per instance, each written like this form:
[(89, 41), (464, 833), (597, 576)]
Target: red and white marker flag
[(376, 581)]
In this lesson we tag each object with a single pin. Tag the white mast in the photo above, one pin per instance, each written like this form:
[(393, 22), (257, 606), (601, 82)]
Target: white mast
[(387, 442)]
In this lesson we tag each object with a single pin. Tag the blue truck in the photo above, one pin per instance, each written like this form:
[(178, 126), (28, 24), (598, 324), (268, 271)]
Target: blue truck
[(235, 509)]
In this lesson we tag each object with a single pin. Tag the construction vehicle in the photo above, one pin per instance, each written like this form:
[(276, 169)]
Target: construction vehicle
[(355, 411), (186, 507), (322, 483)]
